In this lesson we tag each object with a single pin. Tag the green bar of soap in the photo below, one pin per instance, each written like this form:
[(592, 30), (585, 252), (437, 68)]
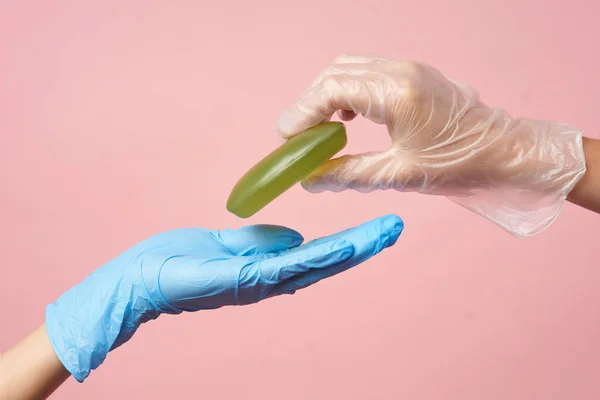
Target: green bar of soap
[(287, 165)]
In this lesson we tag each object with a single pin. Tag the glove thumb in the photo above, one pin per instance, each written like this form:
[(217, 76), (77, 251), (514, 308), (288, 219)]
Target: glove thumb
[(361, 172), (259, 239)]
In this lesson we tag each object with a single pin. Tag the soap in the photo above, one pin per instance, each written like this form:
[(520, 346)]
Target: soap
[(287, 165)]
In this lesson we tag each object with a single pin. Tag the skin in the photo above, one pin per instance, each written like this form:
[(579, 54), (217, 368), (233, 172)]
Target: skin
[(587, 191), (31, 369)]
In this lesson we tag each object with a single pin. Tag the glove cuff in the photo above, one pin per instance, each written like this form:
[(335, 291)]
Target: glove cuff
[(552, 158), (88, 321)]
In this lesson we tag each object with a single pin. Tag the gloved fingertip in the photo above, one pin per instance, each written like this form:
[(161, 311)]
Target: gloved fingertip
[(394, 226), (292, 121), (291, 239), (320, 185), (377, 234), (285, 124), (311, 187)]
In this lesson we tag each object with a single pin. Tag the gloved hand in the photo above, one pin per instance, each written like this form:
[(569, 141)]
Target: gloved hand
[(516, 172), (198, 269)]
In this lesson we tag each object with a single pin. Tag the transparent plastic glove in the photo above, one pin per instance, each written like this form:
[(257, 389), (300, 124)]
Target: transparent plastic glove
[(516, 172), (198, 269)]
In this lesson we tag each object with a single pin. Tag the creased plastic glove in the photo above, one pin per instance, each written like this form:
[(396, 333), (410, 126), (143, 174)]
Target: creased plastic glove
[(516, 172), (198, 269)]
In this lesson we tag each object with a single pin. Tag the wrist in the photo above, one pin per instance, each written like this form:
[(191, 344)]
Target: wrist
[(559, 158), (541, 157), (532, 166), (586, 192)]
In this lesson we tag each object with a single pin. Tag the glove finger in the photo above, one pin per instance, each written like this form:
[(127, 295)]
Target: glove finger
[(367, 240), (362, 93), (259, 239), (362, 172), (341, 62), (387, 228), (340, 65), (353, 65), (275, 270)]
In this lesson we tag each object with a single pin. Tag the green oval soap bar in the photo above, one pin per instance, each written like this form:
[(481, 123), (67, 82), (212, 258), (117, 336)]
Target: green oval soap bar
[(290, 163)]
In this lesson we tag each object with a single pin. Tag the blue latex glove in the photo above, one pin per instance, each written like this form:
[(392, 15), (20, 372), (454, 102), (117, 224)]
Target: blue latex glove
[(198, 269)]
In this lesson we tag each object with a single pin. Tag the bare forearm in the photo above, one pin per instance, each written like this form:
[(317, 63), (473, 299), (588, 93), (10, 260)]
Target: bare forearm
[(31, 369), (587, 191)]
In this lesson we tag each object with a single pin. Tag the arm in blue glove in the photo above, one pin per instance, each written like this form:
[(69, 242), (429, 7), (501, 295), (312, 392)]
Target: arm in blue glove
[(173, 272)]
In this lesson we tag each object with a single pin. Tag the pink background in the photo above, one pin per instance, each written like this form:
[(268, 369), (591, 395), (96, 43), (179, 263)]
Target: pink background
[(117, 122)]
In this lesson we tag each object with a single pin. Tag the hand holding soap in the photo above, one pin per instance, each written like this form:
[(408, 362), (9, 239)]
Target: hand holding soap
[(287, 165)]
